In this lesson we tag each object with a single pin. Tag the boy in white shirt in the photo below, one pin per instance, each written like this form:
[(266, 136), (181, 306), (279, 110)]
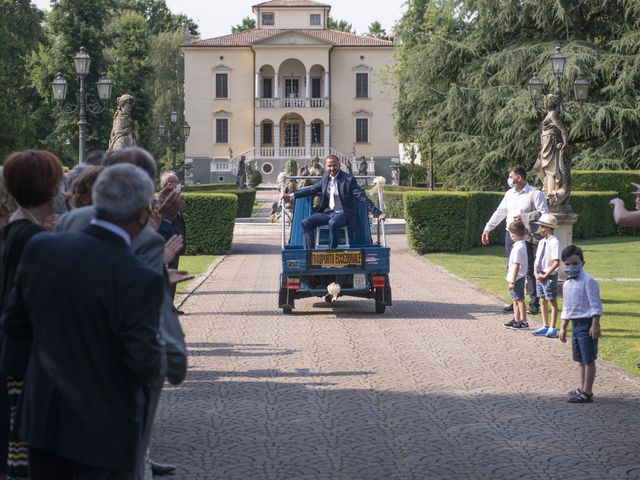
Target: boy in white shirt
[(583, 307), (516, 274), (545, 268)]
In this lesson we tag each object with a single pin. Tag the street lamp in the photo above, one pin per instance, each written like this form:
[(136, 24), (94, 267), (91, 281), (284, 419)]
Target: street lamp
[(172, 136), (85, 103), (580, 85)]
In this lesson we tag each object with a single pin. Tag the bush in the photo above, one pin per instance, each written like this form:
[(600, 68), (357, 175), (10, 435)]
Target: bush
[(246, 197), (436, 221), (412, 170), (481, 207), (209, 220), (209, 187), (618, 182), (594, 215)]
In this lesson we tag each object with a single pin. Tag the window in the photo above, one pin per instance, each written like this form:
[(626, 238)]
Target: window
[(268, 18), (222, 85), (222, 130), (266, 168), (315, 88), (267, 88), (291, 134), (291, 88), (267, 134), (316, 133), (314, 19), (362, 85), (362, 130)]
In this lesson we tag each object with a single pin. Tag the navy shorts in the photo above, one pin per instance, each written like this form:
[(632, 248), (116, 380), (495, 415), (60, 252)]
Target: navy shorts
[(547, 289), (585, 348), (518, 292)]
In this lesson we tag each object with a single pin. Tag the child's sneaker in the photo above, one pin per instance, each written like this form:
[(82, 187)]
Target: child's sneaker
[(512, 323), (552, 333), (521, 326), (541, 331)]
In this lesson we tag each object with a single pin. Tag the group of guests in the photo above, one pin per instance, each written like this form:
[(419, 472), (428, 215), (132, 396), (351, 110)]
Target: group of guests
[(89, 332), (537, 267)]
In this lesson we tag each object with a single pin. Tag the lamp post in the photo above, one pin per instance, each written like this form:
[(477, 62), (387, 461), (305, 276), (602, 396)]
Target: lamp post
[(85, 102), (172, 136), (535, 86)]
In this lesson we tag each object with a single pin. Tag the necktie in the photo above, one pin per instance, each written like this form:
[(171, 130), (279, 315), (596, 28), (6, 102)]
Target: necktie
[(540, 260), (332, 191)]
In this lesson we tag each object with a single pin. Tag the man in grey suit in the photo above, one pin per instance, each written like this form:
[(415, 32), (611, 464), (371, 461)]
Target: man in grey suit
[(149, 247)]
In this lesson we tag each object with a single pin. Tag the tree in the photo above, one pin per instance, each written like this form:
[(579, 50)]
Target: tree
[(20, 34), (159, 17), (341, 25), (462, 70), (248, 23), (376, 31)]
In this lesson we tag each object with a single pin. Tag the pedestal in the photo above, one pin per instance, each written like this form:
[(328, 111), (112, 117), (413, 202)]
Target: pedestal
[(566, 220)]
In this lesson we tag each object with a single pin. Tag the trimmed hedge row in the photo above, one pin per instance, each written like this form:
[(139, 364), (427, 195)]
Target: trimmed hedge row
[(209, 187), (209, 220), (454, 221), (617, 181), (246, 198)]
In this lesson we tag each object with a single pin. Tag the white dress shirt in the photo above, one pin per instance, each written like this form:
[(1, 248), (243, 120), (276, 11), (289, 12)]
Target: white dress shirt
[(334, 197), (551, 248), (514, 203), (581, 297)]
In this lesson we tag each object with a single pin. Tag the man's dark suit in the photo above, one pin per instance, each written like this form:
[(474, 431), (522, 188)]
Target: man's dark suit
[(349, 193), (95, 344)]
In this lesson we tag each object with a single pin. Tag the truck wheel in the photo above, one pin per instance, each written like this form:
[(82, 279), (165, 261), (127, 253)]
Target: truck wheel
[(380, 305)]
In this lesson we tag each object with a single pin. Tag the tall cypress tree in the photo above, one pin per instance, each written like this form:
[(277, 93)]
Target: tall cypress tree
[(463, 68)]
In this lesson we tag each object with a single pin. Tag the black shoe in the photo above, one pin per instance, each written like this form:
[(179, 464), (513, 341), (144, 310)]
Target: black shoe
[(161, 469), (508, 309), (521, 326), (180, 312), (533, 309), (512, 323)]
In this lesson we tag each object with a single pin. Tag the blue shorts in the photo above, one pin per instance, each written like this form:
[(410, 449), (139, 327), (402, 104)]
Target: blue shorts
[(518, 292), (585, 348), (547, 289)]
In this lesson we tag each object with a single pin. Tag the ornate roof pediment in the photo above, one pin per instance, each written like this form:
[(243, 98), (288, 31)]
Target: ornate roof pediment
[(362, 113), (291, 38), (222, 113)]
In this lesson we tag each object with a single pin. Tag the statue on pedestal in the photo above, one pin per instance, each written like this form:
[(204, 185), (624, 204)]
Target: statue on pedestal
[(316, 170), (362, 167), (553, 164), (124, 132), (242, 181)]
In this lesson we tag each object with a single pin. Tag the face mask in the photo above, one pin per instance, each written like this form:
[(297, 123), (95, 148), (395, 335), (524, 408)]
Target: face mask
[(511, 182), (572, 271)]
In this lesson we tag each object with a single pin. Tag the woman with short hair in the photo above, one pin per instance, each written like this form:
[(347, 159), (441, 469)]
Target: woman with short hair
[(32, 178)]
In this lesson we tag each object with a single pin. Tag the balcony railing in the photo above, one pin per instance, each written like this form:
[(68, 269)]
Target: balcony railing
[(292, 103), (266, 152), (292, 151)]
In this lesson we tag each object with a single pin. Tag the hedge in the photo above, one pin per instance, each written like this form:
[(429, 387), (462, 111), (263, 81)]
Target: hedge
[(454, 221), (246, 197), (617, 181), (209, 220), (209, 187)]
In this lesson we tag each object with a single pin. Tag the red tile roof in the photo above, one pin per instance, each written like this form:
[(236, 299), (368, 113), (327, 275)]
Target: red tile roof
[(250, 37), (291, 3)]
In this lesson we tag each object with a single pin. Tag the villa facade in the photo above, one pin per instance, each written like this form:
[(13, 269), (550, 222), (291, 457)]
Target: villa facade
[(289, 89)]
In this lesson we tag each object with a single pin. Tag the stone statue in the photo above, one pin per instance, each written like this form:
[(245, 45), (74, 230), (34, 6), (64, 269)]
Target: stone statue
[(362, 167), (553, 164), (124, 132), (242, 180), (349, 167), (316, 170), (395, 174), (249, 175), (304, 182)]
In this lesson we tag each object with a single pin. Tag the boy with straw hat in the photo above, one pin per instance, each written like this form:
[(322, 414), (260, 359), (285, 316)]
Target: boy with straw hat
[(545, 267)]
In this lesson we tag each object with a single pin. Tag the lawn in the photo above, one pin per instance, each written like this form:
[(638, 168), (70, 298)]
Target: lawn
[(196, 265), (613, 261)]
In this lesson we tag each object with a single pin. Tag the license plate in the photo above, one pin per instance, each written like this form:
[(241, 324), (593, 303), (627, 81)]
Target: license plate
[(359, 281), (335, 259)]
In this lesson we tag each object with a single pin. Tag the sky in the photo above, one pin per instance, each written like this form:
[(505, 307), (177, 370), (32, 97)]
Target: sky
[(215, 17)]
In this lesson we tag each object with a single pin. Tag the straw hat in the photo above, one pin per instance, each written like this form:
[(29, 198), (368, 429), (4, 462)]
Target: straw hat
[(548, 220)]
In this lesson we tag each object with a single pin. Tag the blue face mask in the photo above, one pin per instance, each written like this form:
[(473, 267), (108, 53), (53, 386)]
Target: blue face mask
[(511, 182), (572, 271)]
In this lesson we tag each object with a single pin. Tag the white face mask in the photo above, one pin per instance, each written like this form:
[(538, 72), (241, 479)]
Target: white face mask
[(572, 271), (511, 182)]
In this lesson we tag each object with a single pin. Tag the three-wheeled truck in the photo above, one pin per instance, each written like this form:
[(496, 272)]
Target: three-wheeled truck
[(359, 266)]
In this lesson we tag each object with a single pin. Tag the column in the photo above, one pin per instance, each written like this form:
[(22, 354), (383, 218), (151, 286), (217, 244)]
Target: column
[(326, 84), (256, 141), (257, 85), (276, 140), (308, 86), (327, 140), (276, 80), (307, 140)]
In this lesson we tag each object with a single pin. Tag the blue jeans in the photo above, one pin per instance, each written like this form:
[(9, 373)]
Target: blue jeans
[(335, 220)]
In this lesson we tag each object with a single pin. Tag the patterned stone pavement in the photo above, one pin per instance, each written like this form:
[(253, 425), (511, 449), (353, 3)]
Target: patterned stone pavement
[(435, 388)]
